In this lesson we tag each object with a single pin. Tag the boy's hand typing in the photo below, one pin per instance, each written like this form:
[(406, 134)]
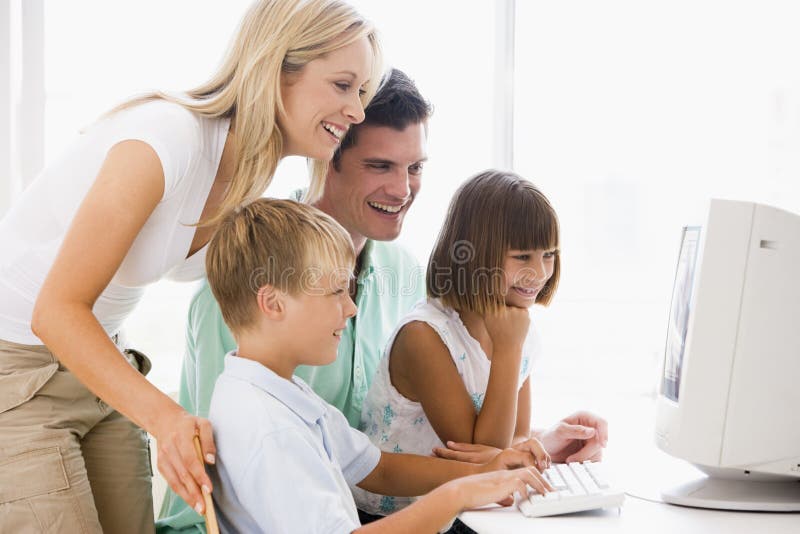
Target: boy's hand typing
[(497, 486)]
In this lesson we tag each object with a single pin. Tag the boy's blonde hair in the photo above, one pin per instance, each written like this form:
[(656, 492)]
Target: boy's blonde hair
[(281, 243), (491, 213)]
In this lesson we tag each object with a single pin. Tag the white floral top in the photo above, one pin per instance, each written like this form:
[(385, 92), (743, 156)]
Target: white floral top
[(397, 424)]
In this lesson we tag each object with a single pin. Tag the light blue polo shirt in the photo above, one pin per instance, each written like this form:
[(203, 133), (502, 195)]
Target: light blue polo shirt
[(285, 458)]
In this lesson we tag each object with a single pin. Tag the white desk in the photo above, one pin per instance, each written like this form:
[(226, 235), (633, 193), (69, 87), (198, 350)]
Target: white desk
[(638, 467), (635, 516)]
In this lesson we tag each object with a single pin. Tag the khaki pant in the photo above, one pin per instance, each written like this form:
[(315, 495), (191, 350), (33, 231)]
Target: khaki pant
[(68, 462)]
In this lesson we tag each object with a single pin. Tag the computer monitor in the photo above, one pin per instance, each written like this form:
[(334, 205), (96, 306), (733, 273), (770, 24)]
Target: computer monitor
[(729, 398)]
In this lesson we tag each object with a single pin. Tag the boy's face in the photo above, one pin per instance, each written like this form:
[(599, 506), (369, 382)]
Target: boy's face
[(317, 315)]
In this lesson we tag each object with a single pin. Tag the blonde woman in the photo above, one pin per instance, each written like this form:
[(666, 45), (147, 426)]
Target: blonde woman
[(134, 199)]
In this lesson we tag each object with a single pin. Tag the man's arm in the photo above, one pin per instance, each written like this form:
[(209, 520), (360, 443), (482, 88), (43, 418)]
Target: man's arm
[(208, 339)]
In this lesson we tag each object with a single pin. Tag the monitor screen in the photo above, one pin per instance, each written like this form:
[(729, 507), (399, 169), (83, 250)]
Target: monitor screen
[(679, 313)]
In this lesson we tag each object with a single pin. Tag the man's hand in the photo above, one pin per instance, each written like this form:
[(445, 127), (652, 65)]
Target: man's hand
[(577, 438)]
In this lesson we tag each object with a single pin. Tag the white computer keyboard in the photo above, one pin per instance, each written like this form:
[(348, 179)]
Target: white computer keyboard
[(578, 487)]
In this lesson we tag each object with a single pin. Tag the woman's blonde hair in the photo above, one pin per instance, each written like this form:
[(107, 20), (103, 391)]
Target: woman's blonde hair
[(275, 37), (491, 213)]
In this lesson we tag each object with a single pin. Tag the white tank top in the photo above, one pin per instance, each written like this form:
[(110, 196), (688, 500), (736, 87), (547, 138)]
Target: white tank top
[(189, 148), (397, 424)]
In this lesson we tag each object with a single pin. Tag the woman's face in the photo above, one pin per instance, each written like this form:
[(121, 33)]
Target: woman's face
[(323, 100)]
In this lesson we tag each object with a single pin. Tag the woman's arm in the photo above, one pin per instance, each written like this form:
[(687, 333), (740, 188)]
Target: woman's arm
[(126, 191), (421, 369)]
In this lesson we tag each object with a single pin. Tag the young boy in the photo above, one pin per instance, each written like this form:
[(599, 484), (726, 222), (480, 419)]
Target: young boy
[(285, 459)]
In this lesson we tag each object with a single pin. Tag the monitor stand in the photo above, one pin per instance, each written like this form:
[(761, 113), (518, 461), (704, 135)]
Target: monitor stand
[(727, 494)]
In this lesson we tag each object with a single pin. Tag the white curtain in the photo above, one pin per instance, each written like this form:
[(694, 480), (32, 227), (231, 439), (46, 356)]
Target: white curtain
[(21, 95)]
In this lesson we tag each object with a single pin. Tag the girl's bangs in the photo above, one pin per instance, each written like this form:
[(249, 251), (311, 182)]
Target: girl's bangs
[(531, 223)]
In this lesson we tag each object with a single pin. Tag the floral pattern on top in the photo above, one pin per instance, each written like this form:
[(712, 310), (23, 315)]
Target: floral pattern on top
[(395, 423)]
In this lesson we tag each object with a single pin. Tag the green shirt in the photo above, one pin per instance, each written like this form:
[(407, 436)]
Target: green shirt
[(389, 284)]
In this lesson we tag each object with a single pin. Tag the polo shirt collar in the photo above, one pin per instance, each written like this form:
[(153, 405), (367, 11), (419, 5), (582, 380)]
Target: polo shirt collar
[(294, 394), (367, 261)]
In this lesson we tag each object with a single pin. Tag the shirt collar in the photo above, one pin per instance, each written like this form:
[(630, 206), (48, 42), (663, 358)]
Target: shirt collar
[(294, 394), (367, 261)]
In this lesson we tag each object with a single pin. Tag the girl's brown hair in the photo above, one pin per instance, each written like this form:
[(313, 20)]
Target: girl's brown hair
[(491, 213)]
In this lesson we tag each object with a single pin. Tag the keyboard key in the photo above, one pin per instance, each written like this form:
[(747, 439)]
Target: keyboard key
[(555, 479), (597, 473), (583, 476), (569, 477), (579, 491)]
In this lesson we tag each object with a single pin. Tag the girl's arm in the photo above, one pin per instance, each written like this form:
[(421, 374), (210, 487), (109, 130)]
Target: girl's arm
[(126, 191), (522, 430), (422, 370)]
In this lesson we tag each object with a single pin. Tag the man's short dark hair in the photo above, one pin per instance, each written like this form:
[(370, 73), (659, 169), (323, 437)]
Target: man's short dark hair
[(397, 104)]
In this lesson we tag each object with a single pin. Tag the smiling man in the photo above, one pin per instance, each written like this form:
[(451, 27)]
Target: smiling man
[(372, 181)]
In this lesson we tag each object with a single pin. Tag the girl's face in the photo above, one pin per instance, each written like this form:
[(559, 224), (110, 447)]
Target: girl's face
[(323, 100), (526, 272)]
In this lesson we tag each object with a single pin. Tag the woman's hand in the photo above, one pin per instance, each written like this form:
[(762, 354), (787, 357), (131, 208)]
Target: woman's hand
[(508, 328), (177, 459)]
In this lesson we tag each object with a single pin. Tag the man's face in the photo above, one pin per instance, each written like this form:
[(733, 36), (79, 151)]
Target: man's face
[(377, 181)]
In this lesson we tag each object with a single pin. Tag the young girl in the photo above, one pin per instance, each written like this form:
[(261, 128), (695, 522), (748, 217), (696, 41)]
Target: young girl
[(458, 366)]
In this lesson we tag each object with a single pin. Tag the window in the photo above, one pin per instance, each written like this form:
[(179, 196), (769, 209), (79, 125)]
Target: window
[(98, 53), (630, 116)]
